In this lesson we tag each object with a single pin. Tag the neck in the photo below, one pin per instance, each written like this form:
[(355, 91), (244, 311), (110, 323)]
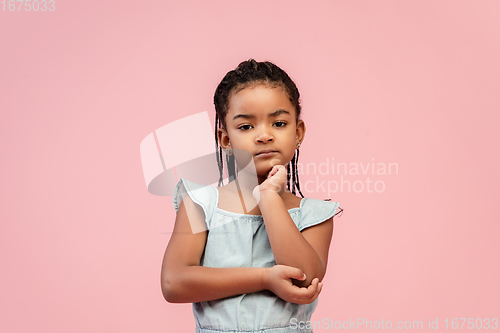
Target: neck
[(247, 180)]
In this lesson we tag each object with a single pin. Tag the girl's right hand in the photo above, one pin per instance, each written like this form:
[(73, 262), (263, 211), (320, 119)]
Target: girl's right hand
[(275, 182), (279, 281)]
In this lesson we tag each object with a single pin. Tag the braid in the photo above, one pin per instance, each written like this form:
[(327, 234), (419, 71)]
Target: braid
[(288, 176), (294, 168), (231, 167), (297, 184), (292, 175), (220, 162)]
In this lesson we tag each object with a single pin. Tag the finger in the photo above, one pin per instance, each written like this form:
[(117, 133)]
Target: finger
[(273, 171), (277, 182), (276, 169), (318, 291), (300, 295), (305, 294), (313, 288), (295, 273)]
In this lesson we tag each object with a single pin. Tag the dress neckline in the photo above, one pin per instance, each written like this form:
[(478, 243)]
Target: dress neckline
[(226, 212)]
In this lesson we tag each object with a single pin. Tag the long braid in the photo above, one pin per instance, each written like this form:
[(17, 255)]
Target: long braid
[(231, 167), (220, 161), (297, 183), (288, 171), (293, 173)]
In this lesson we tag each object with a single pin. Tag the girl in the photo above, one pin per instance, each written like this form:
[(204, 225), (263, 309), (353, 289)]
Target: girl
[(258, 262)]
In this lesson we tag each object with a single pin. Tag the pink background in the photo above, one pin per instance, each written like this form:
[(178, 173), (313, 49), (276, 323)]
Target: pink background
[(409, 82)]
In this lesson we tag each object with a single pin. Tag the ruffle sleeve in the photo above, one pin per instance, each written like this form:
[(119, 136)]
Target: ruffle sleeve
[(202, 195), (314, 211)]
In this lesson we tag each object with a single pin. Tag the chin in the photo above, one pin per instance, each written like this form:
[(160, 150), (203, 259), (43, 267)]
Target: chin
[(263, 167), (263, 170)]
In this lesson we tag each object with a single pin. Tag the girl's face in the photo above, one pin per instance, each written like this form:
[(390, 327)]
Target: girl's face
[(261, 121)]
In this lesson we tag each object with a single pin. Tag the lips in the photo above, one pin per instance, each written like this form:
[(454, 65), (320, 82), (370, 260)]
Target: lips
[(265, 152)]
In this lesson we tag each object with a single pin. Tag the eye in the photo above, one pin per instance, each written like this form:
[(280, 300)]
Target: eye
[(244, 127), (280, 124)]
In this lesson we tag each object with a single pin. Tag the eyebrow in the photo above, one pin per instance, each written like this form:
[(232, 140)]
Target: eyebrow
[(251, 116)]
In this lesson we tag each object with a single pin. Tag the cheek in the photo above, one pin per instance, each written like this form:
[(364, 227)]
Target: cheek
[(291, 144), (288, 154)]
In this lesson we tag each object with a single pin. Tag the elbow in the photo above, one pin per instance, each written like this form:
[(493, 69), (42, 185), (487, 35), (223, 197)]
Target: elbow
[(319, 270), (311, 274), (321, 273), (169, 289), (177, 285)]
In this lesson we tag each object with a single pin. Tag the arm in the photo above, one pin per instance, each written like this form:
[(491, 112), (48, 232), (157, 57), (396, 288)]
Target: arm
[(307, 250), (183, 280)]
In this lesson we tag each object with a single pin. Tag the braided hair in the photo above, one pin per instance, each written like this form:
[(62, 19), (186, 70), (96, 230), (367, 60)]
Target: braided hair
[(249, 73)]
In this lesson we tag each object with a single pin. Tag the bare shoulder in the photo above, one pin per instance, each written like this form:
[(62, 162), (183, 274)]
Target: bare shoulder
[(228, 198), (225, 192)]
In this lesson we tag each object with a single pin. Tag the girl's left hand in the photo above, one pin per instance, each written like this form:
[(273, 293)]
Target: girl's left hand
[(279, 280), (275, 182)]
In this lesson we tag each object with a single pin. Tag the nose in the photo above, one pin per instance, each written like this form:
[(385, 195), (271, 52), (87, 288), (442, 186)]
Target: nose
[(264, 135)]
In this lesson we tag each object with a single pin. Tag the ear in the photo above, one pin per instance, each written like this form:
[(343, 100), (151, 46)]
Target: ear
[(223, 138), (300, 131)]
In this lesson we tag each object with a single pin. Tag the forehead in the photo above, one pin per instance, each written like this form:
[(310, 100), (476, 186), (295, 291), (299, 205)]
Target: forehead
[(260, 98)]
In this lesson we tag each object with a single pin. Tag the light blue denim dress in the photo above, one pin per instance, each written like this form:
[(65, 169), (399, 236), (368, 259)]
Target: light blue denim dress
[(239, 240)]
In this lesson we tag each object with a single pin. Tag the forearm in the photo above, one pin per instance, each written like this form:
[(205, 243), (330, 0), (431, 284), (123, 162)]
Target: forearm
[(288, 245), (192, 284)]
